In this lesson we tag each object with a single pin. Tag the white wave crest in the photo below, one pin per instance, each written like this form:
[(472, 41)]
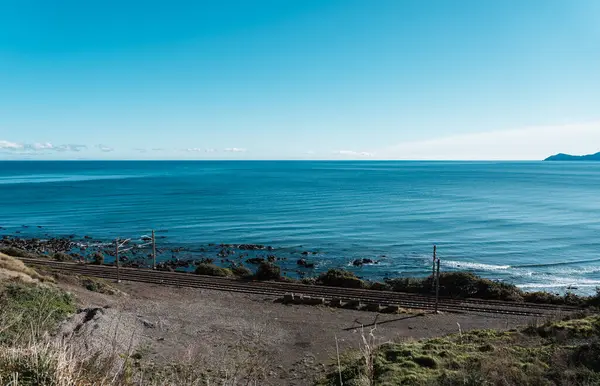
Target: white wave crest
[(474, 266)]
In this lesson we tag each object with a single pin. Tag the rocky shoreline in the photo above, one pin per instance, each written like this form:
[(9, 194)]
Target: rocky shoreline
[(138, 254)]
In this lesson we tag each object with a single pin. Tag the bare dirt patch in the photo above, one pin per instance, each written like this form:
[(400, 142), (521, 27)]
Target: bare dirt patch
[(289, 344)]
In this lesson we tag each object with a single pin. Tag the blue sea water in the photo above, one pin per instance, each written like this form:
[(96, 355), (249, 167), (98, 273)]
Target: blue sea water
[(536, 224)]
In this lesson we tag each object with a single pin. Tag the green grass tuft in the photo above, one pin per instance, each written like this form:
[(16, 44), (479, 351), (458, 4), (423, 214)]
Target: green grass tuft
[(212, 270), (27, 310)]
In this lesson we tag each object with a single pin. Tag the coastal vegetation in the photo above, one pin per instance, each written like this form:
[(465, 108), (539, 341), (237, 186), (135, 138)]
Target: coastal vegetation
[(556, 352), (452, 284), (564, 352), (34, 349)]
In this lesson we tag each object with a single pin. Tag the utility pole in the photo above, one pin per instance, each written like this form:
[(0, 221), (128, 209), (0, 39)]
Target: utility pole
[(117, 259), (433, 268), (117, 246), (434, 258), (153, 250), (437, 286)]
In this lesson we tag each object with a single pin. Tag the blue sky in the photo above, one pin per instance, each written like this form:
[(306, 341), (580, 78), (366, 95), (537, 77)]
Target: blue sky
[(299, 79)]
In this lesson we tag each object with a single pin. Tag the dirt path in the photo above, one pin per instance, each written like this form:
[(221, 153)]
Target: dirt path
[(291, 344)]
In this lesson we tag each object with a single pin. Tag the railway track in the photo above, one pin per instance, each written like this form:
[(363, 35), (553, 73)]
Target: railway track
[(278, 289)]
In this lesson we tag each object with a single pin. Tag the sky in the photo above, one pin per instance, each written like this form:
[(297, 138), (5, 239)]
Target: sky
[(299, 79)]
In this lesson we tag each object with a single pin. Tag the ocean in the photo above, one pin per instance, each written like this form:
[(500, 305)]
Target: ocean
[(535, 224)]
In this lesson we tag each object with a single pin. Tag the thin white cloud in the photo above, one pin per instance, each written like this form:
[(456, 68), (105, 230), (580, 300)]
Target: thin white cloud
[(42, 146), (6, 145), (158, 149), (38, 147), (104, 148), (209, 150), (194, 149), (351, 153), (234, 150), (71, 147), (531, 143)]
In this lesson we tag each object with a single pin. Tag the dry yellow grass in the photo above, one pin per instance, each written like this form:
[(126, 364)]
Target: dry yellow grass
[(12, 268)]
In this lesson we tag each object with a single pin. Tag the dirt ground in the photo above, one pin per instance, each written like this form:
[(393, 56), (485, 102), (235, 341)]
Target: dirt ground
[(289, 344)]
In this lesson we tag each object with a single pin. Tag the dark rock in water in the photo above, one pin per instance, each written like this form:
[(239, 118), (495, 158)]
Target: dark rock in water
[(40, 227), (271, 258), (361, 262), (87, 237), (270, 248), (314, 253), (25, 226), (305, 264), (255, 260), (251, 247), (305, 253)]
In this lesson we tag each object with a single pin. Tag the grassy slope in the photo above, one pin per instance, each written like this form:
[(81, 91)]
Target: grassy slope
[(557, 353), (30, 312)]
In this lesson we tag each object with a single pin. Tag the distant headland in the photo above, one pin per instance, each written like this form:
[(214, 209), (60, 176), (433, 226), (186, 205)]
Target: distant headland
[(568, 157)]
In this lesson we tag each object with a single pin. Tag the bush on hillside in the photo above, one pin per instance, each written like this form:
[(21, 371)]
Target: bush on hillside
[(241, 271), (377, 286), (410, 284), (24, 304), (61, 256), (459, 285), (594, 301), (211, 270), (17, 252), (340, 278), (268, 271), (98, 258)]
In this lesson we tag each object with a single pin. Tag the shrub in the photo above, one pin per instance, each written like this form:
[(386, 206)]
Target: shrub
[(17, 252), (61, 256), (97, 285), (459, 285), (409, 284), (28, 310), (211, 270), (377, 286), (241, 271), (542, 297), (98, 258), (309, 280), (268, 271), (594, 301), (340, 278), (426, 361), (588, 355)]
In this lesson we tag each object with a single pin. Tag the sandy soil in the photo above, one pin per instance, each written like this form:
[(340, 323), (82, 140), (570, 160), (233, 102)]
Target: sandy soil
[(292, 344)]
